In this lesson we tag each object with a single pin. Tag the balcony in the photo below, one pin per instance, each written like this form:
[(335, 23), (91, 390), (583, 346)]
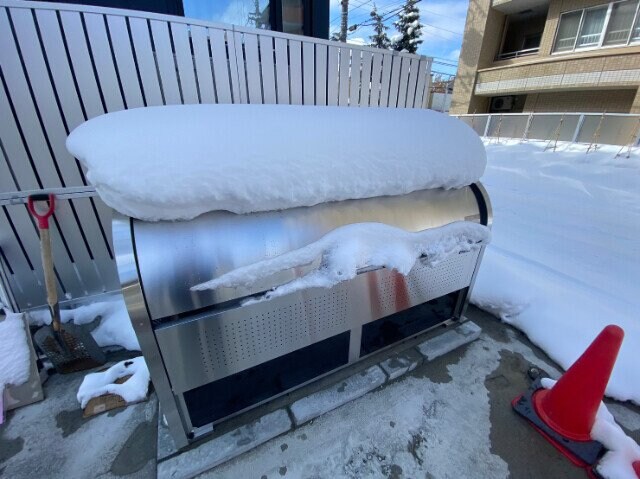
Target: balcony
[(522, 32)]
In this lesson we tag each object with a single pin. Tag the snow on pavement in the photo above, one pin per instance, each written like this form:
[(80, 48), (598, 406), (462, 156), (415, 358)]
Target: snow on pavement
[(565, 254)]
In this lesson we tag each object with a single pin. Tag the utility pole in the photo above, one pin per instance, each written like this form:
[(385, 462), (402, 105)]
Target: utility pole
[(344, 20)]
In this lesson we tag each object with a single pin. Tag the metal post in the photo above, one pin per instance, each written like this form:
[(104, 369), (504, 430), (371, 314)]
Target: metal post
[(576, 133), (556, 135), (633, 140), (596, 135), (525, 135), (499, 127), (486, 126)]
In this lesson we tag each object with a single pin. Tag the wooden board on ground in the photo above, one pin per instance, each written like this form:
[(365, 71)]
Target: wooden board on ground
[(106, 402)]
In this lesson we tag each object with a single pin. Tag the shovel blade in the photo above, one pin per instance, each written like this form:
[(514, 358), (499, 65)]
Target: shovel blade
[(70, 349)]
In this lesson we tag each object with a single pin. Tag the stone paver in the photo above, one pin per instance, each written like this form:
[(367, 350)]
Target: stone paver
[(401, 363), (447, 342), (221, 449), (335, 396)]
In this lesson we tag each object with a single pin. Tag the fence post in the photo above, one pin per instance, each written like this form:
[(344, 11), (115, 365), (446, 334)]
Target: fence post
[(633, 141), (499, 128), (486, 127), (556, 135), (525, 135), (576, 133), (596, 135)]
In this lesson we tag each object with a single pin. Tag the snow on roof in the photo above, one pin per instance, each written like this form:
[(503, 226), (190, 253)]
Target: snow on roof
[(177, 162)]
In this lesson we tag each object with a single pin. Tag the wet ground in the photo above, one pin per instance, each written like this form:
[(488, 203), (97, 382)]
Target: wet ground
[(449, 418)]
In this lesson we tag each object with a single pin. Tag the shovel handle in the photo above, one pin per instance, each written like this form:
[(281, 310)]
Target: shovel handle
[(42, 217), (45, 250), (49, 277)]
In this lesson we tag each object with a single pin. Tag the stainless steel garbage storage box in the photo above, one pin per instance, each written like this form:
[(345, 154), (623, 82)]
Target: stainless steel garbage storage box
[(211, 357)]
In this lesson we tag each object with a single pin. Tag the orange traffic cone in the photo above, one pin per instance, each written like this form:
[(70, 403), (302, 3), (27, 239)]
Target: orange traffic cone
[(565, 414), (570, 407)]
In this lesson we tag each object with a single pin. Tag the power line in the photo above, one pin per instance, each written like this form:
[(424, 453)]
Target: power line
[(436, 13), (384, 17), (453, 65), (444, 29), (446, 59), (443, 73), (337, 17)]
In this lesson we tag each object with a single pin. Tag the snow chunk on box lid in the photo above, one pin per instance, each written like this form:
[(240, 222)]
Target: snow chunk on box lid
[(177, 162)]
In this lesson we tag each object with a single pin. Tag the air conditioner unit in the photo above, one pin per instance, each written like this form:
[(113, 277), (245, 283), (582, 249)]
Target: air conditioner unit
[(501, 103)]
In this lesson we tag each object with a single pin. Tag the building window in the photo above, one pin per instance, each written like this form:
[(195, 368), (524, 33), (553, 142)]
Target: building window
[(603, 26), (620, 23), (300, 17), (592, 27), (293, 16), (568, 31)]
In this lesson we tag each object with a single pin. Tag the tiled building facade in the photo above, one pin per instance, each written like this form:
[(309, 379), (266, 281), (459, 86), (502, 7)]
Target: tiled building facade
[(549, 55)]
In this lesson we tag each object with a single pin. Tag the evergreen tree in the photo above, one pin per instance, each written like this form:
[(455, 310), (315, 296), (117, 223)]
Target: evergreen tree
[(409, 28), (380, 38)]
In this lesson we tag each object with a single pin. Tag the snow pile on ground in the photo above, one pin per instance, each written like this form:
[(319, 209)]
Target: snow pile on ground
[(14, 351), (132, 390), (565, 255), (348, 249), (622, 451), (115, 327), (14, 354), (177, 162)]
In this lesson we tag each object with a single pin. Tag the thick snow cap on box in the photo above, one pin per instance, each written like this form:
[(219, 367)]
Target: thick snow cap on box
[(177, 162)]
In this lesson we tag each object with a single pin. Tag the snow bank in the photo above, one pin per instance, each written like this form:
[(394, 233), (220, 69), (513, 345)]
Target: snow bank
[(132, 390), (565, 258), (622, 451), (177, 162), (350, 248), (115, 327), (14, 351)]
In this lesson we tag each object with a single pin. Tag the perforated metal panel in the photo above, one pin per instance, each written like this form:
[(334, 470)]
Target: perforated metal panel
[(234, 340), (395, 292), (226, 344)]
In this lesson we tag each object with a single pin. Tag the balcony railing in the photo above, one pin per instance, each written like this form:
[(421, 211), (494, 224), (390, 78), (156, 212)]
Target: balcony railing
[(518, 54)]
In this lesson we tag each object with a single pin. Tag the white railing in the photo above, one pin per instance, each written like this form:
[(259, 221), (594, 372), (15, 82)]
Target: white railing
[(603, 128), (518, 54), (62, 64)]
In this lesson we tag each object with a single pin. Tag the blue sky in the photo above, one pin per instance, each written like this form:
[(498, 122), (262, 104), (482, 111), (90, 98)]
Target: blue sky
[(443, 21)]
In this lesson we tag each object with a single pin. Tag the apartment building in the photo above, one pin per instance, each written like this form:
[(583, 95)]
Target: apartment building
[(549, 56)]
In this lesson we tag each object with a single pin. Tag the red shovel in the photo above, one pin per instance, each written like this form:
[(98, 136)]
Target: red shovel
[(70, 348)]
